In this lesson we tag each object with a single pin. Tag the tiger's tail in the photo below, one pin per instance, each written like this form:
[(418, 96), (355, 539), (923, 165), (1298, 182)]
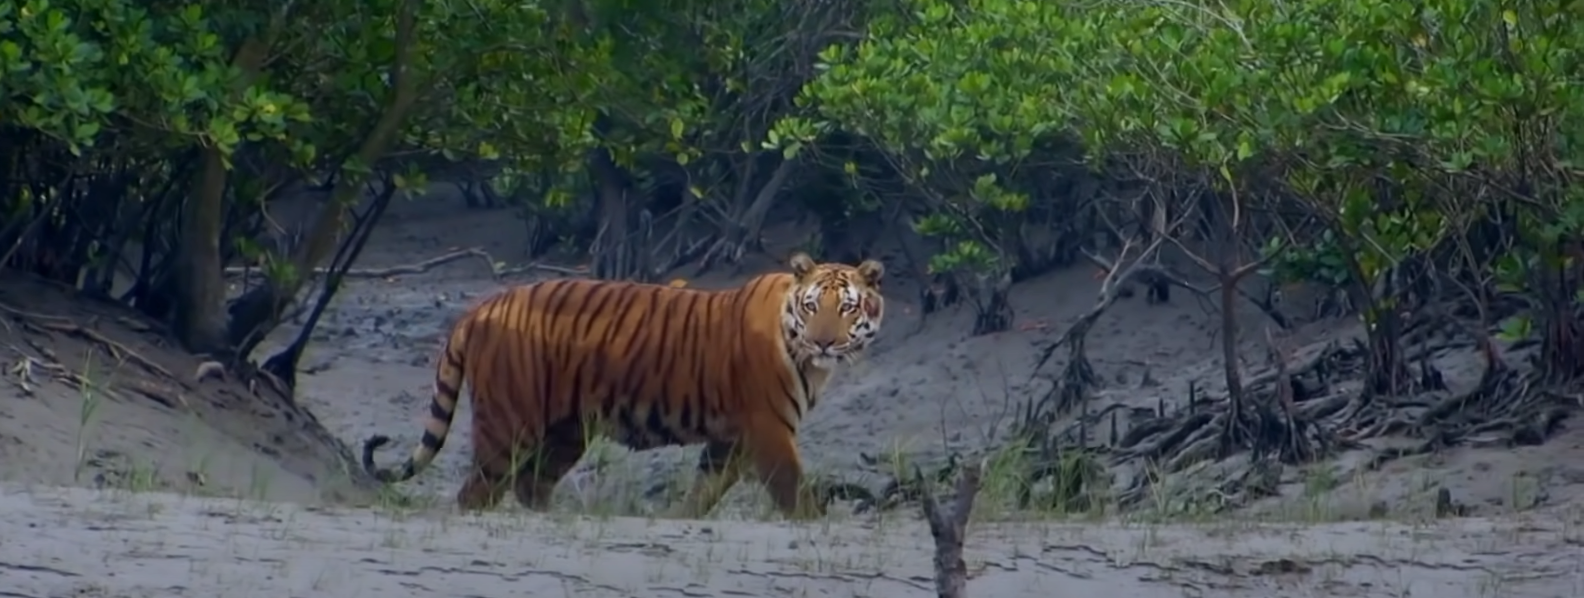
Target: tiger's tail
[(442, 408)]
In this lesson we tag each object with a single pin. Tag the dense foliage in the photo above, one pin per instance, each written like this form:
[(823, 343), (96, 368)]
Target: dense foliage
[(1400, 152), (1447, 127)]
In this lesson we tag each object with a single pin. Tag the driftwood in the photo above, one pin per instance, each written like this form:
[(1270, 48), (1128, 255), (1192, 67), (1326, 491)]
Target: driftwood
[(950, 530)]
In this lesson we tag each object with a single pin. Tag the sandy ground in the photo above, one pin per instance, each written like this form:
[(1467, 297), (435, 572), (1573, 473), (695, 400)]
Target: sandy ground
[(72, 416), (78, 542)]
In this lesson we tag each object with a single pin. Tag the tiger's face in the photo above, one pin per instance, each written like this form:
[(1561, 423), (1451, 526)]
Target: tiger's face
[(833, 310)]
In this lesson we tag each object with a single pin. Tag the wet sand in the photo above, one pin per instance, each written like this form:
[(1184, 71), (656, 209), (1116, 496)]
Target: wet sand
[(80, 542)]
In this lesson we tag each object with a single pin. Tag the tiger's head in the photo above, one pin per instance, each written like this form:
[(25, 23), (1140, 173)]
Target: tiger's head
[(832, 310)]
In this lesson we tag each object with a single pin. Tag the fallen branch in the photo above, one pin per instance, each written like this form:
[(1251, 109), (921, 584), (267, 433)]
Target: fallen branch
[(25, 375), (899, 490), (949, 531), (497, 269), (65, 325)]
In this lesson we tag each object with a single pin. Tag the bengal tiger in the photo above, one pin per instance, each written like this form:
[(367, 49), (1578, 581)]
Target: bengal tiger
[(551, 364)]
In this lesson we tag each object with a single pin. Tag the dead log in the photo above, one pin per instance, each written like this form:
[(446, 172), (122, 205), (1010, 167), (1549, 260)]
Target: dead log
[(949, 531)]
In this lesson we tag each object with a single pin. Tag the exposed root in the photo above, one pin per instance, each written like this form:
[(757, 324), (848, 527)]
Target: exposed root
[(1293, 416), (992, 312), (725, 250), (1504, 410), (1283, 421), (498, 270), (938, 293), (1282, 417), (1303, 408), (1078, 377)]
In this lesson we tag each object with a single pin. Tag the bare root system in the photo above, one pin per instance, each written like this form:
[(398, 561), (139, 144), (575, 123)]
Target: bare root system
[(1298, 409)]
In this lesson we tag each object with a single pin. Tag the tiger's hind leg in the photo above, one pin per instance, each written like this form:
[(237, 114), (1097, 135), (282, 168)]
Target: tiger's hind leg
[(544, 466), (496, 447), (720, 466), (485, 485)]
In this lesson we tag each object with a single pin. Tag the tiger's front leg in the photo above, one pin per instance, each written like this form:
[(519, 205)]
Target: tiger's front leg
[(775, 457)]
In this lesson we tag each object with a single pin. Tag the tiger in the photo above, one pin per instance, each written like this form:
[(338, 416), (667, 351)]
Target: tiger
[(552, 364)]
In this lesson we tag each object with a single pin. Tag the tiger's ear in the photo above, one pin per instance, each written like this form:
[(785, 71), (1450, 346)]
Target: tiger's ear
[(801, 264), (872, 271)]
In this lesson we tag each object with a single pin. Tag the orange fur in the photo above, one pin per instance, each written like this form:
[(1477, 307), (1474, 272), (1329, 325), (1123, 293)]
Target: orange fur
[(551, 364)]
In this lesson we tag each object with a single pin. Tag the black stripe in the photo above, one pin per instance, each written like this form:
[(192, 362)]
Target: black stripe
[(803, 387), (657, 426), (694, 337), (438, 411), (432, 442)]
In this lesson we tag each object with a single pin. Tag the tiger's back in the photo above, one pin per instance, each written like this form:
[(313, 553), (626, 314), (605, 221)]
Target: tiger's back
[(649, 365), (550, 365)]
